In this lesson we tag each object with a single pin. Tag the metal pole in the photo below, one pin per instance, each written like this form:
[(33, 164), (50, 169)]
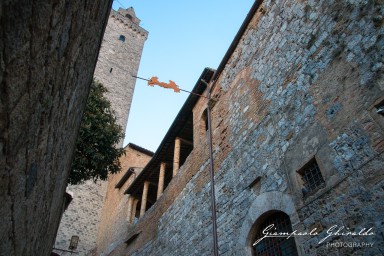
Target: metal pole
[(211, 172)]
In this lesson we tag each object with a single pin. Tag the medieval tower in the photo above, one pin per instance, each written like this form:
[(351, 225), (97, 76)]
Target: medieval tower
[(118, 61)]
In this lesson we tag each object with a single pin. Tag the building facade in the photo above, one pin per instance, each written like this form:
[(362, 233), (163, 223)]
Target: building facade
[(118, 62), (297, 137), (116, 215)]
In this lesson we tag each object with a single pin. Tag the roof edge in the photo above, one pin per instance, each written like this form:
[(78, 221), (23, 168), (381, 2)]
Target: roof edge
[(192, 98), (140, 149), (236, 40)]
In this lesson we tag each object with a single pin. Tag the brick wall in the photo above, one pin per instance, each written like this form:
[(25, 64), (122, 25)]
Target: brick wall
[(114, 223)]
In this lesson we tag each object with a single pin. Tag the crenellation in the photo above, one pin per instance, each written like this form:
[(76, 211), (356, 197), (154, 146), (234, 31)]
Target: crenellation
[(133, 26)]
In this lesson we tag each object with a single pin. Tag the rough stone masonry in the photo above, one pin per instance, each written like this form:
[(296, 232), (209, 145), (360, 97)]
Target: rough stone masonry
[(118, 60), (302, 83), (48, 53)]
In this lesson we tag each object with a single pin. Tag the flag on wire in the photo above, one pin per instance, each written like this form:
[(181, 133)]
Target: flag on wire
[(171, 85)]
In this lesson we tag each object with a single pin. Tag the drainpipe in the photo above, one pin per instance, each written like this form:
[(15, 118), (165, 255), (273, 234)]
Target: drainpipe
[(211, 172)]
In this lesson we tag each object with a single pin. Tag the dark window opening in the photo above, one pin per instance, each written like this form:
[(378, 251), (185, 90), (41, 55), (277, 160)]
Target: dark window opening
[(67, 200), (311, 176), (122, 38), (204, 123), (380, 108), (128, 16), (277, 246), (151, 196), (186, 146), (135, 211), (206, 120)]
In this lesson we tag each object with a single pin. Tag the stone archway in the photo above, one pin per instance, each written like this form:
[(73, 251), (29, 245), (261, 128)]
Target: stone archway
[(266, 202)]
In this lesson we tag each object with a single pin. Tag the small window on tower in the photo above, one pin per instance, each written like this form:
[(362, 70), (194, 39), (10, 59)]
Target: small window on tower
[(311, 177), (128, 16), (122, 38)]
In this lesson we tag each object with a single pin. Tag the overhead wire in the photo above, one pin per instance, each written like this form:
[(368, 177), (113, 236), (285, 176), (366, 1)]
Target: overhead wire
[(120, 4)]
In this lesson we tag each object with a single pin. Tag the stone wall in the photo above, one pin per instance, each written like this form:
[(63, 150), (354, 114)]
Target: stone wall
[(48, 52), (118, 61), (303, 83), (81, 218)]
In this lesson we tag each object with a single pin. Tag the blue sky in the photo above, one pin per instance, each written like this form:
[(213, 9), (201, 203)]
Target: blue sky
[(184, 38)]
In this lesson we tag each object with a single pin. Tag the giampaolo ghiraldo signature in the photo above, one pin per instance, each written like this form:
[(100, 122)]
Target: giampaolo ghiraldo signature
[(335, 230)]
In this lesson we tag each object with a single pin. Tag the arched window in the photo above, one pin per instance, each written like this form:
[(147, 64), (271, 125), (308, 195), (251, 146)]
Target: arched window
[(204, 123), (122, 38), (277, 246)]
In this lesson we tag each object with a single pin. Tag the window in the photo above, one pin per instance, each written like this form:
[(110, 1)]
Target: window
[(128, 16), (377, 112), (204, 123), (122, 38), (380, 108), (277, 246), (311, 177)]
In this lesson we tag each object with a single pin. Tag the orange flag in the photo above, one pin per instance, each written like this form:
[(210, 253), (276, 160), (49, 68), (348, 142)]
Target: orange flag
[(172, 85)]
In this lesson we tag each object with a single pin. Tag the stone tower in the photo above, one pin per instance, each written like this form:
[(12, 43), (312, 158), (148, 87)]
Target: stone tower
[(119, 59)]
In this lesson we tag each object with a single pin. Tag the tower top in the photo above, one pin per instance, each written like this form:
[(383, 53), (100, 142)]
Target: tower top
[(128, 18), (130, 14)]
